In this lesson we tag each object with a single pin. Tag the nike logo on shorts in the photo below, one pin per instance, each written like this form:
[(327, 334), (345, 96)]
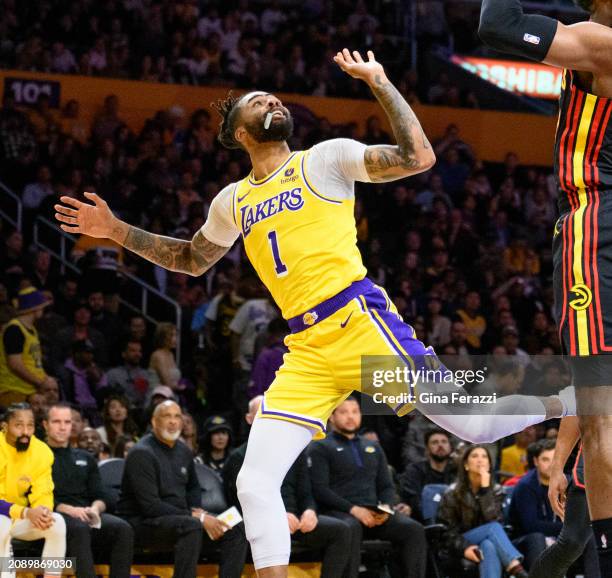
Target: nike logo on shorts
[(343, 324)]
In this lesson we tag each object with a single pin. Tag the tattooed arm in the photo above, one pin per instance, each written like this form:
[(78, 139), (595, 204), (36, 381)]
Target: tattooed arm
[(413, 153), (192, 257)]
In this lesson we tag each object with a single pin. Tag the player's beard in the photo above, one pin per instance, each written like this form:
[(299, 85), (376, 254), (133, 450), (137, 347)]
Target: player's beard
[(279, 130), (22, 444)]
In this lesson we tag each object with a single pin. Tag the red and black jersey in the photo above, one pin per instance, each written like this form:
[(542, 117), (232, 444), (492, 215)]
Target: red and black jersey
[(582, 245), (583, 145)]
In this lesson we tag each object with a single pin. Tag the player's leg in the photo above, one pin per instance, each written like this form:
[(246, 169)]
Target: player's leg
[(294, 409), (272, 448), (572, 541), (596, 432), (376, 336)]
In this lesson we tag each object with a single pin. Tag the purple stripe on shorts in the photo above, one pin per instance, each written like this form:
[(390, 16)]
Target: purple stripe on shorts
[(317, 423)]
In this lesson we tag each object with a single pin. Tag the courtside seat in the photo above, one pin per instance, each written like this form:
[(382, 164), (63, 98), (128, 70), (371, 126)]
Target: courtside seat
[(111, 472)]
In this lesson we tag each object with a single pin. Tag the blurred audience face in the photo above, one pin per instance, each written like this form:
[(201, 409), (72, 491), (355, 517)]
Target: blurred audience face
[(38, 403), (525, 437), (82, 316), (167, 422), (90, 441), (458, 333), (77, 424), (138, 328), (472, 301), (14, 243), (96, 302), (132, 355), (543, 464), (20, 429), (219, 440), (188, 433), (50, 391), (69, 289), (58, 426), (117, 412), (476, 460), (346, 418), (439, 447), (83, 359)]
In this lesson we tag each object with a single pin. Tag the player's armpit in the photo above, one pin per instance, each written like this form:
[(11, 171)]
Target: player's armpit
[(585, 46)]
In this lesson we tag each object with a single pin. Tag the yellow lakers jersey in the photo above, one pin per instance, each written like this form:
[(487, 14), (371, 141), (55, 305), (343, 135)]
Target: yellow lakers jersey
[(32, 359), (302, 244)]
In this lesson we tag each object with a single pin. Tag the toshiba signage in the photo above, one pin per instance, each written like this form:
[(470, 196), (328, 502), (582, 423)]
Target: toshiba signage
[(532, 79)]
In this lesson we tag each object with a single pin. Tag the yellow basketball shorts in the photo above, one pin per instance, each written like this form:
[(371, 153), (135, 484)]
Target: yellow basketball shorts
[(324, 363)]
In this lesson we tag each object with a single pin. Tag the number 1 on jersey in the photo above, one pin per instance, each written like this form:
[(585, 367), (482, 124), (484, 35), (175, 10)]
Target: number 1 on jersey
[(279, 266)]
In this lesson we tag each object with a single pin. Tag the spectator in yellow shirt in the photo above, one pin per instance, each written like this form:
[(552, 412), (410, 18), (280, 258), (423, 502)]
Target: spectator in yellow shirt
[(475, 324), (26, 487), (514, 457), (21, 368)]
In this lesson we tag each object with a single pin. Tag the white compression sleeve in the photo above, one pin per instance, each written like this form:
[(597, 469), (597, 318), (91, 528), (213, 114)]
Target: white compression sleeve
[(507, 416), (273, 447)]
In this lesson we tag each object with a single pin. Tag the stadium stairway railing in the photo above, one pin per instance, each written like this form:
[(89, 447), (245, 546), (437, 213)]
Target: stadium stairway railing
[(11, 207), (50, 238)]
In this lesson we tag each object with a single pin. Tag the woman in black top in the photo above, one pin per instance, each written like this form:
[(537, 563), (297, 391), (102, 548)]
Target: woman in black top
[(472, 511)]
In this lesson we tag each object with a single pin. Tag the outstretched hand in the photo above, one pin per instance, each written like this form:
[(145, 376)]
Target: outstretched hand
[(354, 65), (95, 220)]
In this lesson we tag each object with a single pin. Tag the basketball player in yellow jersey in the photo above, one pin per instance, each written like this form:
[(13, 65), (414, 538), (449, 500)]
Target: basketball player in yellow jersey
[(295, 215)]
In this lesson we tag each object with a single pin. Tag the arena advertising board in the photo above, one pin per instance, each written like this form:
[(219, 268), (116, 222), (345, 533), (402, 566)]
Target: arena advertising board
[(529, 78)]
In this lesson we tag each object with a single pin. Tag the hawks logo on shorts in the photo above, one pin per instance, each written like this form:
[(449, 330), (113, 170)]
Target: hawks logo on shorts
[(583, 297), (582, 241)]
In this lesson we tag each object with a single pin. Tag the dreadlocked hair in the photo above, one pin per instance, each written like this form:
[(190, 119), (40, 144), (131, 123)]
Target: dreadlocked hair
[(228, 110)]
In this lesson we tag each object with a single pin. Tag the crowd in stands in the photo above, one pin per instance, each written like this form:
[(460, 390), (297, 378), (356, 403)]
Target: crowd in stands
[(464, 251), (280, 46)]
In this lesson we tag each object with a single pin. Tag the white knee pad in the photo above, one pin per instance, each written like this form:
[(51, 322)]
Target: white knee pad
[(273, 447)]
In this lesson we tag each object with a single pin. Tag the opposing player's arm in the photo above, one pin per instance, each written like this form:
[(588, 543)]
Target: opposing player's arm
[(413, 153), (192, 257), (584, 46)]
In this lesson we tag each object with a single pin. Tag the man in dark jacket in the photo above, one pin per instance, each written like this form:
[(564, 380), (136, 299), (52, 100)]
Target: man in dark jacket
[(161, 498), (79, 498), (531, 514), (351, 481), (306, 527), (438, 468)]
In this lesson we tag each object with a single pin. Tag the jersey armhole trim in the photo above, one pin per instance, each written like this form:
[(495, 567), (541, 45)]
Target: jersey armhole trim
[(311, 188), (234, 203)]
